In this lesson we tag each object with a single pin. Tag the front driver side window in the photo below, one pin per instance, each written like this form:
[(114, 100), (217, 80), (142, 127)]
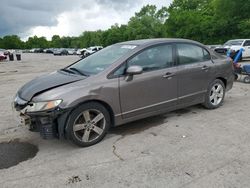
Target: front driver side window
[(155, 58)]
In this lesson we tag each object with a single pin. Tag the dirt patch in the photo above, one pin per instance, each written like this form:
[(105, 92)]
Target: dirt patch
[(14, 152), (75, 179)]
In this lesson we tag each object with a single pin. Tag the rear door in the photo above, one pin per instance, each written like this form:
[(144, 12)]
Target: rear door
[(195, 69), (246, 46), (155, 89)]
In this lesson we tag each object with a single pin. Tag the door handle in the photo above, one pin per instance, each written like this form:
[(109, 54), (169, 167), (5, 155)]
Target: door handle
[(169, 75), (205, 68)]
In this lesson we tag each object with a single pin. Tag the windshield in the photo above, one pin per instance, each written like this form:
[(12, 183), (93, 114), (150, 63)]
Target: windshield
[(102, 59), (234, 43)]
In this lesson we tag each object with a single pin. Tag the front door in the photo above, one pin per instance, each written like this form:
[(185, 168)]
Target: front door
[(153, 90)]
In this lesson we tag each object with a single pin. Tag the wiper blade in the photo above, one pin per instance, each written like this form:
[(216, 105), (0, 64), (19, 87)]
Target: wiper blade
[(67, 70), (78, 71)]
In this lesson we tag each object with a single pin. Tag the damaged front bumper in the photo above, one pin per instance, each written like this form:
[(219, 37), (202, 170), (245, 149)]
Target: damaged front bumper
[(50, 123)]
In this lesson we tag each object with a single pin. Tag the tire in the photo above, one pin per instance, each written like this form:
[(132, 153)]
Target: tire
[(215, 95), (247, 79), (236, 77), (88, 124)]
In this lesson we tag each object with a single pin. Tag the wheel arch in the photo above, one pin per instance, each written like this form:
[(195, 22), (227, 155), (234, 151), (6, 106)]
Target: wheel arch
[(63, 120), (223, 80), (106, 105)]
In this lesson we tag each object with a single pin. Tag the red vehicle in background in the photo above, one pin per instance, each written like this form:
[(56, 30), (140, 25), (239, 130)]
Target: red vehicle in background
[(2, 56)]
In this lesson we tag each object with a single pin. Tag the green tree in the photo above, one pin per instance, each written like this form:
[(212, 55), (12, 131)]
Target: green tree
[(1, 43), (147, 23), (12, 42), (114, 35), (75, 42), (56, 41), (208, 21), (36, 42), (65, 42)]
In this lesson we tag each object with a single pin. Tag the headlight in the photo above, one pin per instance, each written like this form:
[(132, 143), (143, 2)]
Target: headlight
[(41, 106)]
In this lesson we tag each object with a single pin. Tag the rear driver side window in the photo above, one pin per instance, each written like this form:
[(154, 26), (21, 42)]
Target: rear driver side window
[(188, 54)]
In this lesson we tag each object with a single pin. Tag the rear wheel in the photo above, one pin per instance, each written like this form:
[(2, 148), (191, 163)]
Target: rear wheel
[(247, 79), (236, 76), (215, 95), (88, 124)]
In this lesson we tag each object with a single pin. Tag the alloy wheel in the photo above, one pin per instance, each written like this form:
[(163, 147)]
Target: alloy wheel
[(89, 125), (247, 79), (216, 94)]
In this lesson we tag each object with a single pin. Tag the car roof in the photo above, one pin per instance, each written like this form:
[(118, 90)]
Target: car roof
[(238, 39), (156, 41)]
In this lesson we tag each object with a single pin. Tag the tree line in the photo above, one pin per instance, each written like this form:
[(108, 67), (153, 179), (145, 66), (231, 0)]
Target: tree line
[(207, 21)]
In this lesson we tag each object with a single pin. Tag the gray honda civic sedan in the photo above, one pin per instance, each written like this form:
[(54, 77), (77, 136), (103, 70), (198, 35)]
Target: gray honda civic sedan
[(123, 82)]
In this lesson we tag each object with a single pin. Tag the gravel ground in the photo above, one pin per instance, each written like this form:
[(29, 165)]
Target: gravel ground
[(192, 147)]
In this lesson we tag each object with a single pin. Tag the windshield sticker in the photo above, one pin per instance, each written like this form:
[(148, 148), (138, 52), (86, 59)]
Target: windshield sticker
[(129, 46)]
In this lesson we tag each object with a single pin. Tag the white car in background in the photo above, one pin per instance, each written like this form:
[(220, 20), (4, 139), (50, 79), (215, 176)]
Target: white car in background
[(81, 51), (92, 50), (71, 51), (235, 46)]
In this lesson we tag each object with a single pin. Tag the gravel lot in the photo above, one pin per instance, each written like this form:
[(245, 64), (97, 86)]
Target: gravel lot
[(192, 147)]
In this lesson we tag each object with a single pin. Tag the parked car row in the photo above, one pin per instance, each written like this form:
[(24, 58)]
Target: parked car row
[(55, 51), (7, 52), (4, 54), (84, 52)]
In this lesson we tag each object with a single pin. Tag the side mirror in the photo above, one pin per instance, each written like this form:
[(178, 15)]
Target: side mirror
[(133, 70)]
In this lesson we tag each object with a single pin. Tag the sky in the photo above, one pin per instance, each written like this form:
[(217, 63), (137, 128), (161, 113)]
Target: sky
[(66, 17)]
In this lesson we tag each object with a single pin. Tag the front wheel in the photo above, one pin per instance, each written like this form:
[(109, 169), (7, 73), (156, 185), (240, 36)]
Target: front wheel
[(215, 95), (88, 124)]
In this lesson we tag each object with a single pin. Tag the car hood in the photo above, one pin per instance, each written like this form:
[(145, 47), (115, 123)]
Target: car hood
[(235, 47), (47, 82), (231, 46)]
